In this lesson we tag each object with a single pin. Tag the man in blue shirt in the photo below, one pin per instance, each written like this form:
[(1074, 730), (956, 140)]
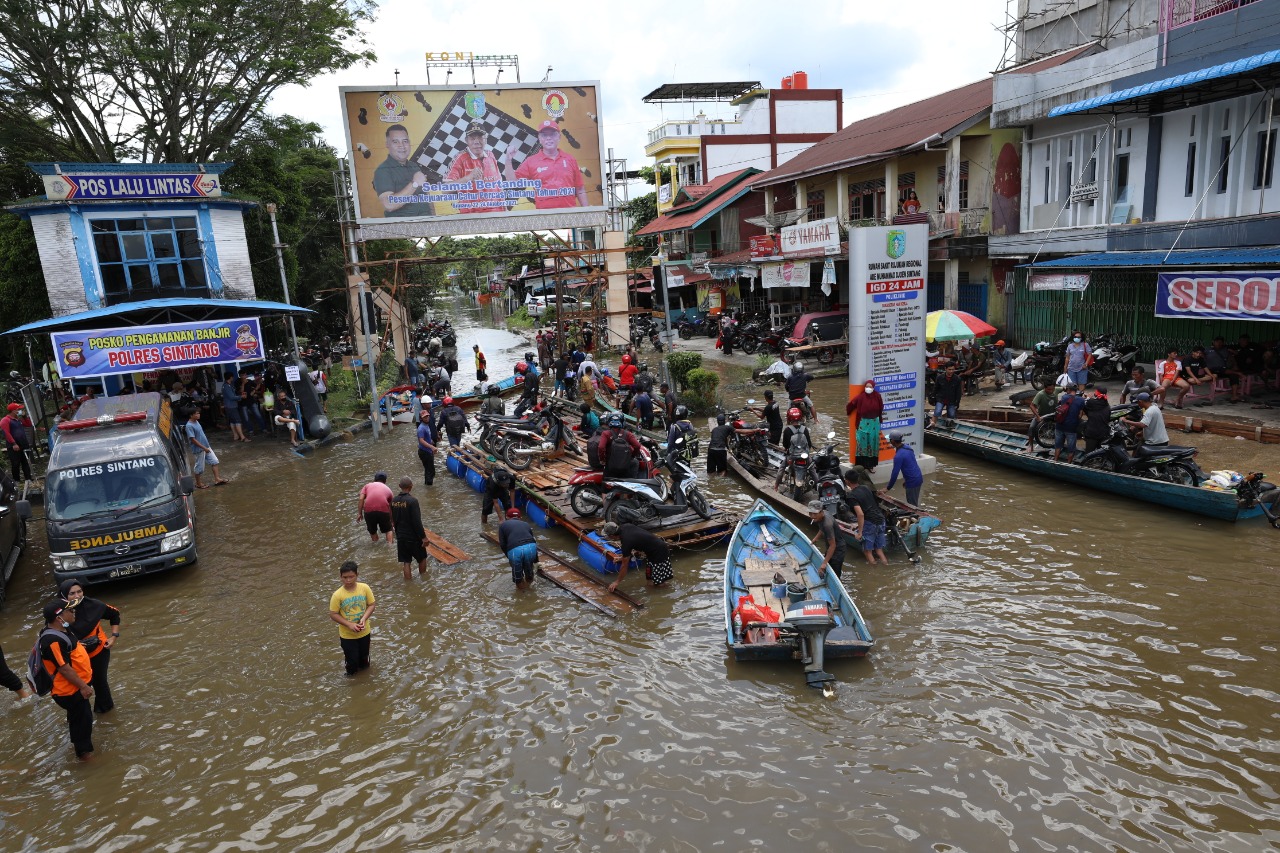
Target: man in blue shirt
[(904, 462), (231, 407), (1067, 423), (201, 453), (427, 447)]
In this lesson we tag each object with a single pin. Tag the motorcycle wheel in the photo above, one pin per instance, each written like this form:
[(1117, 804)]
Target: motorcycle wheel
[(686, 332), (1179, 473), (1101, 462), (826, 355), (1097, 374), (749, 345), (699, 504), (517, 461), (586, 499), (1045, 434), (787, 356), (632, 506), (1038, 380)]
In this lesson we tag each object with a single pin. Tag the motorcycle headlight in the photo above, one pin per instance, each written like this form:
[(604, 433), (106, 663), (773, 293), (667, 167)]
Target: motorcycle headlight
[(68, 562), (176, 541)]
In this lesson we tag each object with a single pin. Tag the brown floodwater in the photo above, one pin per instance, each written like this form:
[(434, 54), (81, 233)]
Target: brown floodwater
[(1062, 671)]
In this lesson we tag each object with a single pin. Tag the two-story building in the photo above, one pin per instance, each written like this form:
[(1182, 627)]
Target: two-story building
[(1149, 170)]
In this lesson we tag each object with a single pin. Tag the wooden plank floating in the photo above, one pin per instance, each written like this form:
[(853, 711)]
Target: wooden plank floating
[(443, 550), (580, 583)]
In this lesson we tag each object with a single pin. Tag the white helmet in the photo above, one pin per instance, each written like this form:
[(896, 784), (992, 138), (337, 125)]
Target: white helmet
[(799, 365)]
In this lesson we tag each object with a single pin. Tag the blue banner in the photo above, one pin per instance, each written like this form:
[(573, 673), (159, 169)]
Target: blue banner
[(66, 187), (1236, 295), (128, 349)]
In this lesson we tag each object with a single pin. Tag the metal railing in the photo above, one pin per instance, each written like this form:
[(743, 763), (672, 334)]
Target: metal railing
[(970, 222), (1179, 13)]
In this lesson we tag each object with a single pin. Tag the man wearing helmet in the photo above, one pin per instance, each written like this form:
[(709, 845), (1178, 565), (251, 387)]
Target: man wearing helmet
[(529, 393), (644, 380), (493, 404), (1001, 361), (453, 420), (797, 386), (515, 538), (627, 373), (795, 441), (619, 449), (681, 427), (718, 446)]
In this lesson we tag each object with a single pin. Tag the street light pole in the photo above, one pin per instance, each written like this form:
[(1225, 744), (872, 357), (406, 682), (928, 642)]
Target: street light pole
[(284, 281)]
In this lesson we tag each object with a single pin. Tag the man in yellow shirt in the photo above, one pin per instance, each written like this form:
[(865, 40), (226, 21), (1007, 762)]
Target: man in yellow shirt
[(350, 606)]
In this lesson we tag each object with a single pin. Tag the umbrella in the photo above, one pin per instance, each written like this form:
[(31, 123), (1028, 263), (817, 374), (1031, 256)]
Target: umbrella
[(955, 326)]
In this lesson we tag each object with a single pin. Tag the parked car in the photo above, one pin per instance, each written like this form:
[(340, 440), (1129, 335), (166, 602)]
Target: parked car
[(14, 512), (536, 305)]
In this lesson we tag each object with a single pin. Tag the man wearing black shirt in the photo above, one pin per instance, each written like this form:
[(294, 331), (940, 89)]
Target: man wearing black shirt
[(560, 368), (870, 520), (1195, 369), (1097, 412), (947, 393), (718, 447), (639, 543), (772, 413), (797, 386), (406, 518)]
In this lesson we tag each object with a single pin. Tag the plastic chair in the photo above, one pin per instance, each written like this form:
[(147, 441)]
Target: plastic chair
[(1196, 394)]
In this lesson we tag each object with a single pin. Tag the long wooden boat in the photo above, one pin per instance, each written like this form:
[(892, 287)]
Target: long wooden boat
[(908, 526), (765, 544), (473, 398), (1006, 448), (402, 399)]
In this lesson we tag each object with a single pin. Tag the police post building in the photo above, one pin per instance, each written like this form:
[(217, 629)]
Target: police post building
[(147, 269)]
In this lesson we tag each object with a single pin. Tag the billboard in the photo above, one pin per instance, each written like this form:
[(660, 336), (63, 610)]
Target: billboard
[(1236, 295), (428, 161), (130, 349)]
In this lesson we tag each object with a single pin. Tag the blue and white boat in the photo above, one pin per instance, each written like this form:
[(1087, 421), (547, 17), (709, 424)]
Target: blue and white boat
[(818, 617)]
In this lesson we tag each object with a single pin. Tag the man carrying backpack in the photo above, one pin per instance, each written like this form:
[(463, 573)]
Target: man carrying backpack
[(682, 427), (454, 421), (529, 393), (1066, 423), (619, 449), (493, 404), (67, 671), (795, 441)]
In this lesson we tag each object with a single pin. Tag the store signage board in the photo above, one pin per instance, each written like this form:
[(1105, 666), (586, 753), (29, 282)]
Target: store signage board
[(888, 268), (811, 239), (1232, 295)]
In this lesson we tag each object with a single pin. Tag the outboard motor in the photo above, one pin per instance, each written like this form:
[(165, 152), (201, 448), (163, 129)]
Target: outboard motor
[(813, 620)]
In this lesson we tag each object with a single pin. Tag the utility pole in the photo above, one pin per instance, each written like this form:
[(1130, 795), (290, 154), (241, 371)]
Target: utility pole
[(284, 281)]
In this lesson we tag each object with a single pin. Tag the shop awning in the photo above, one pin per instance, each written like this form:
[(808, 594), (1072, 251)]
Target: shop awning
[(1193, 88), (1202, 258), (156, 311)]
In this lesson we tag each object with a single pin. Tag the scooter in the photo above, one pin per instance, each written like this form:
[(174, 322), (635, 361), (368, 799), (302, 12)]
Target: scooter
[(639, 501), (1111, 358), (823, 475), (1169, 464), (549, 437), (586, 485)]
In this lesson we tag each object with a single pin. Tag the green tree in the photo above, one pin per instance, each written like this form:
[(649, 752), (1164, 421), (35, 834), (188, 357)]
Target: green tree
[(641, 211), (161, 80)]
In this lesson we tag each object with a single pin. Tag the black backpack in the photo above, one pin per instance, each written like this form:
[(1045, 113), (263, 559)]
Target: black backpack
[(593, 451), (40, 678), (618, 463), (454, 420)]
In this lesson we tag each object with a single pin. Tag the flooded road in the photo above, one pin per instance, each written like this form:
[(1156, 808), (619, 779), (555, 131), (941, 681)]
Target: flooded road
[(1063, 671)]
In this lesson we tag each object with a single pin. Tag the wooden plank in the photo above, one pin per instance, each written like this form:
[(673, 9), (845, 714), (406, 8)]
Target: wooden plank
[(578, 583), (443, 550)]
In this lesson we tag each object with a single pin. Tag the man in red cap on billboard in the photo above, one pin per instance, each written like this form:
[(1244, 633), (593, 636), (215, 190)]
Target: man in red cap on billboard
[(559, 173)]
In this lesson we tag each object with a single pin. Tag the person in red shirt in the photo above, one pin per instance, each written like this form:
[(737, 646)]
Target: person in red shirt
[(627, 375), (476, 163), (557, 171)]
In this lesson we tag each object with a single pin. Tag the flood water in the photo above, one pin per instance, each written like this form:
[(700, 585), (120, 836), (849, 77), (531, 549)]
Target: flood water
[(1064, 671)]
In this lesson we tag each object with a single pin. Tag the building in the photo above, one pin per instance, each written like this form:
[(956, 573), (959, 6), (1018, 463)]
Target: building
[(769, 128), (1150, 165)]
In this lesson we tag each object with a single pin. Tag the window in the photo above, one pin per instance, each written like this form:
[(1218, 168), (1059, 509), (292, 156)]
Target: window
[(817, 204), (1121, 181), (1264, 163), (1224, 162), (149, 258), (1091, 169), (1190, 186), (964, 184)]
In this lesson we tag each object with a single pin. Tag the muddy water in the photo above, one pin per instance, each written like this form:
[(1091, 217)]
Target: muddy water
[(1063, 671)]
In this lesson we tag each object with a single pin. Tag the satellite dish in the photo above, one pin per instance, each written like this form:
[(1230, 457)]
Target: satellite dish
[(779, 219)]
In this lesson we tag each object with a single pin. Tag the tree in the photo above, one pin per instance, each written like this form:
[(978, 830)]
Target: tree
[(160, 80), (640, 211)]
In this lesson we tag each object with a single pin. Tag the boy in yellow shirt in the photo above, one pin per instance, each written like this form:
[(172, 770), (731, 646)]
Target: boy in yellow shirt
[(350, 606)]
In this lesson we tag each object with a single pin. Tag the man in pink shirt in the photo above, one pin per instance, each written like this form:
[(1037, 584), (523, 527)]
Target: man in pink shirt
[(375, 506), (559, 173), (476, 163)]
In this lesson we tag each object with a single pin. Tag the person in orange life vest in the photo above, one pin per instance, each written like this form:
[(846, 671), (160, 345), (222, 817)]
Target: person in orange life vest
[(89, 616), (66, 659), (1169, 375), (561, 178), (476, 163)]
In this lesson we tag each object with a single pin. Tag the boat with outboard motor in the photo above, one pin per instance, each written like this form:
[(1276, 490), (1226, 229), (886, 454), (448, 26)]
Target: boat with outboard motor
[(771, 570)]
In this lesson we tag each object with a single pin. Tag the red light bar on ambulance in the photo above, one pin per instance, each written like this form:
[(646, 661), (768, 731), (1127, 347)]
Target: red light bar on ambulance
[(104, 420)]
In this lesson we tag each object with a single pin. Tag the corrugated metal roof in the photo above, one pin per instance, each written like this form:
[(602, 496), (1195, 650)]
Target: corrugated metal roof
[(712, 201), (1254, 256), (184, 309), (1179, 81)]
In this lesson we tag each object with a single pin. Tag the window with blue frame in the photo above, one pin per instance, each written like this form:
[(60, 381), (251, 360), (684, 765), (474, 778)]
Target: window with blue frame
[(149, 258)]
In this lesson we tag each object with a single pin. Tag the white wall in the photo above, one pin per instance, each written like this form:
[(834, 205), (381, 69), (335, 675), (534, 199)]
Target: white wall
[(722, 159), (56, 245), (1065, 146), (233, 254), (806, 116), (753, 117), (790, 149)]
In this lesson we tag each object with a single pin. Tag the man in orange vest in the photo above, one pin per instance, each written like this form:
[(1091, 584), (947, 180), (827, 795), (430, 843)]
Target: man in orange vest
[(65, 659)]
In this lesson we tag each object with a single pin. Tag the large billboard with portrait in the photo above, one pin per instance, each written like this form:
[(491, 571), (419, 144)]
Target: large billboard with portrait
[(450, 160)]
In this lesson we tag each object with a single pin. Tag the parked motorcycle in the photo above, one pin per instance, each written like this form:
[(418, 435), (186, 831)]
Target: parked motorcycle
[(749, 443), (641, 500), (1169, 464), (824, 473), (586, 486), (549, 438), (1111, 357)]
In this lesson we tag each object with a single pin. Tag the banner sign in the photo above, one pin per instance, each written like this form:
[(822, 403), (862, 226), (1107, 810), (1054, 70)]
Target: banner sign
[(77, 186), (887, 274), (426, 154), (1059, 281), (786, 274), (131, 349), (811, 239), (1219, 295), (763, 246)]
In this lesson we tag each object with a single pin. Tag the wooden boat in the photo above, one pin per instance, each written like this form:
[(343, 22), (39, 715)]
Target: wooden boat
[(473, 398), (765, 544), (1009, 449), (908, 526)]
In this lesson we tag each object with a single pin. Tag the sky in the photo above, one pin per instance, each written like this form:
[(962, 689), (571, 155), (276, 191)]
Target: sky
[(881, 55)]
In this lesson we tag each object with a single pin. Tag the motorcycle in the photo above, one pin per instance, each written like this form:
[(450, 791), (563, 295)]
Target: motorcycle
[(1111, 358), (795, 475), (586, 492), (1046, 362), (749, 443), (549, 438), (639, 501), (824, 474), (1168, 464), (1254, 490), (1044, 435), (494, 430)]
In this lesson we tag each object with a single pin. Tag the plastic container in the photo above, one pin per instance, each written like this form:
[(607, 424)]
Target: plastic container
[(788, 82), (606, 562), (800, 80), (475, 480), (779, 591), (454, 464), (797, 592), (539, 516)]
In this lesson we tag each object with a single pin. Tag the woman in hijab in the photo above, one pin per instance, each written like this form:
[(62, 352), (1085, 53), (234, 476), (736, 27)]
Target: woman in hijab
[(87, 627), (866, 408)]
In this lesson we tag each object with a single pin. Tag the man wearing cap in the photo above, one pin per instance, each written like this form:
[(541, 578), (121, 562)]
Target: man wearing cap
[(833, 556), (374, 506), (398, 182), (515, 538), (1152, 423), (65, 659), (904, 462), (427, 446), (561, 179), (13, 427), (477, 163), (1001, 359)]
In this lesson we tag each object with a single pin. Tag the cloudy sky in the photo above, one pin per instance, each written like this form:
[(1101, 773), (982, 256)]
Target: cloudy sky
[(880, 54)]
